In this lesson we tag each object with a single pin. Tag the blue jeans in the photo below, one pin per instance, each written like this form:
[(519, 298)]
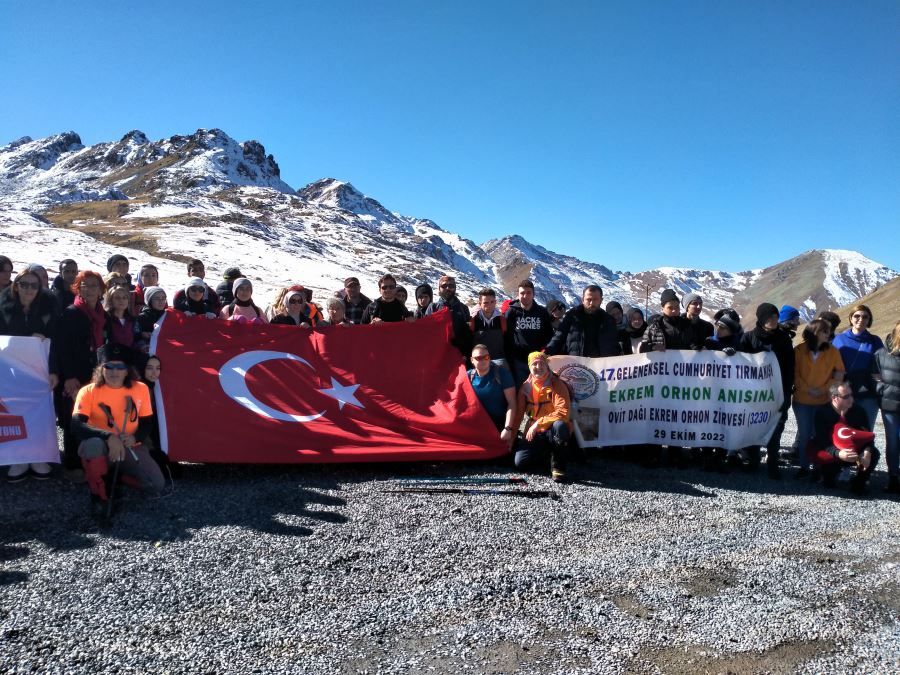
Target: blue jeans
[(806, 429), (532, 453), (892, 440)]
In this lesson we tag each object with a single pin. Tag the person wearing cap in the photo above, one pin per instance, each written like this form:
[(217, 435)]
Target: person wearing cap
[(557, 310), (196, 268), (528, 329), (355, 303), (489, 326), (295, 310), (386, 309), (111, 419), (225, 290), (242, 309), (693, 306), (789, 320), (543, 403), (768, 336), (817, 365), (670, 330), (62, 285), (447, 299), (587, 330), (155, 307), (196, 300), (424, 296)]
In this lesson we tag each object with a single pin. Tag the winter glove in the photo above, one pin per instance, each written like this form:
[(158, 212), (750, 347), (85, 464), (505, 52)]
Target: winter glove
[(189, 314), (210, 315), (729, 351)]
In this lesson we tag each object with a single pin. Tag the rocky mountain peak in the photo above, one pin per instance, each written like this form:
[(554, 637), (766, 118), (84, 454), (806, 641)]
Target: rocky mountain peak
[(338, 194)]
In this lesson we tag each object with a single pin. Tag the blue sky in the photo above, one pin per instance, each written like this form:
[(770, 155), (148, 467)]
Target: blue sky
[(724, 135)]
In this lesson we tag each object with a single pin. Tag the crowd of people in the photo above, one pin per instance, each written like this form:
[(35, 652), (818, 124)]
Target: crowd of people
[(101, 371)]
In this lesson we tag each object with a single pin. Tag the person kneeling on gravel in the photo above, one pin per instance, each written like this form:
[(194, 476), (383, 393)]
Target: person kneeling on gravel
[(836, 449), (544, 403), (112, 417)]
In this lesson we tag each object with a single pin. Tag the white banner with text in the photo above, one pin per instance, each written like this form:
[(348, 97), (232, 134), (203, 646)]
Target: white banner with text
[(27, 427), (676, 397)]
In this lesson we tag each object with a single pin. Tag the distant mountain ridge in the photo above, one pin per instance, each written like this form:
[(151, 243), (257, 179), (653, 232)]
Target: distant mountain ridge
[(209, 196)]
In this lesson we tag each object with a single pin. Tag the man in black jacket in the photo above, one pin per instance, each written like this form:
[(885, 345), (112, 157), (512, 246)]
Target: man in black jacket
[(768, 336), (586, 330)]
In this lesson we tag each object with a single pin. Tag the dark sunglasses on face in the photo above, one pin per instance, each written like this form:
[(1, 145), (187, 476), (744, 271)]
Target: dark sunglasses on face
[(844, 397), (295, 301), (448, 285), (115, 366), (861, 316), (29, 285), (195, 289), (483, 357)]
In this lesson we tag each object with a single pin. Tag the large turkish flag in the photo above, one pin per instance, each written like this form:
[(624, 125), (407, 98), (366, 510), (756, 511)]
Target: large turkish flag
[(280, 394)]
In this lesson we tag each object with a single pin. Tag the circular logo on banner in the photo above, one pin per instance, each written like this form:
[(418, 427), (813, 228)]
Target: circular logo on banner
[(583, 382)]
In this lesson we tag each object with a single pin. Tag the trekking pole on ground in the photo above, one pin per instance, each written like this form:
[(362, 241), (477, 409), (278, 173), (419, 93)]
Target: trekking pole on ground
[(451, 480), (111, 492), (533, 494)]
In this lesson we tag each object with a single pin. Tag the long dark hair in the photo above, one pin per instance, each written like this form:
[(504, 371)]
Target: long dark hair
[(810, 332), (99, 378)]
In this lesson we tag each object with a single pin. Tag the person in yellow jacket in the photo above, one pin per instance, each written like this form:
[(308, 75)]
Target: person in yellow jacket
[(817, 365), (544, 403)]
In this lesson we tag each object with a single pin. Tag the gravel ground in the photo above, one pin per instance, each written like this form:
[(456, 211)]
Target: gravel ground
[(319, 570)]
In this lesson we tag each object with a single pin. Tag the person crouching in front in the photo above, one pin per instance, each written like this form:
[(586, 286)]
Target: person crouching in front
[(544, 402), (111, 419)]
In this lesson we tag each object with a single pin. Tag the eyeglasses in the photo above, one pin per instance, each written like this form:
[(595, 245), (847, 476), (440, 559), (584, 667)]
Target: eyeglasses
[(115, 366), (483, 357), (448, 285), (29, 285), (295, 301), (844, 397), (388, 287), (860, 316)]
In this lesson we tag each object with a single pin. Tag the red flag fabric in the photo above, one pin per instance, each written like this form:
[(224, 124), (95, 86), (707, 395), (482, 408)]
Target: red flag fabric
[(283, 394), (846, 437)]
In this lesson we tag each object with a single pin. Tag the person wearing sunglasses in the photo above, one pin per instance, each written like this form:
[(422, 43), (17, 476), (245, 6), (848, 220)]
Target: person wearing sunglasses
[(295, 310), (496, 391), (197, 300), (857, 347), (26, 310), (112, 418), (81, 332), (829, 457), (386, 309), (460, 314)]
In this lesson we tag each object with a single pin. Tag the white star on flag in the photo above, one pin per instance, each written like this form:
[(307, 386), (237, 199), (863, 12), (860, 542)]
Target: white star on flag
[(342, 394)]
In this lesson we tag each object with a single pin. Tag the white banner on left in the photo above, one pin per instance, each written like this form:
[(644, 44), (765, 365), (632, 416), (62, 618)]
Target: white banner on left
[(27, 427)]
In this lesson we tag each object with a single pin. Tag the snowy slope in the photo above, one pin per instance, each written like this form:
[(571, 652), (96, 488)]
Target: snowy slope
[(206, 195)]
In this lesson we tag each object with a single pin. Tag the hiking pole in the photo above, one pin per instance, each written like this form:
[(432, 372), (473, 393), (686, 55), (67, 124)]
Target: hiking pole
[(533, 494), (508, 480), (111, 492)]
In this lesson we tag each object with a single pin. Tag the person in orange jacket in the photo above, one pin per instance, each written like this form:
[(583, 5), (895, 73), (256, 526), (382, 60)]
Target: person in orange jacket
[(545, 404)]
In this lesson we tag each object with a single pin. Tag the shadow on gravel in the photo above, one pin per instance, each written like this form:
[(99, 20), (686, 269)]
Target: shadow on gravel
[(620, 474), (273, 499)]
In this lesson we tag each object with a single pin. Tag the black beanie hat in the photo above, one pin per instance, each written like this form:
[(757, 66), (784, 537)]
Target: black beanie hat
[(668, 296), (765, 311), (113, 259)]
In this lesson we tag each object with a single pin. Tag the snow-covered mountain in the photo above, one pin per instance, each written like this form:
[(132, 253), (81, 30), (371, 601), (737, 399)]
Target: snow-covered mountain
[(206, 195)]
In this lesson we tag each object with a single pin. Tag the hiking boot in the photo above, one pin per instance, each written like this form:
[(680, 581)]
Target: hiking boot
[(802, 473), (773, 470), (17, 473), (858, 484), (557, 469), (40, 470)]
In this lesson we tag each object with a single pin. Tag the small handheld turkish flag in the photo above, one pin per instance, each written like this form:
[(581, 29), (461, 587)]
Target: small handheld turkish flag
[(847, 438)]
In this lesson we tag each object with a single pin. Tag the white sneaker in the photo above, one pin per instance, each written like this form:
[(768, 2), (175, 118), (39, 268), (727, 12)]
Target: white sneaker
[(17, 472), (41, 470)]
